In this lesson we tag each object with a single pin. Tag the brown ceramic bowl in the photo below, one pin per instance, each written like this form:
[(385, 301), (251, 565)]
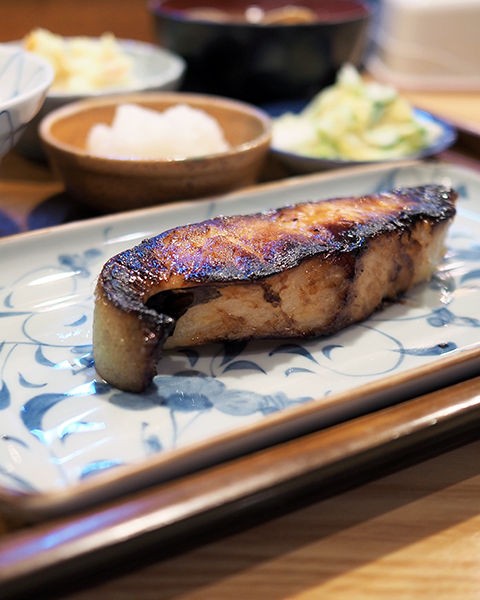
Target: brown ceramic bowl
[(111, 184)]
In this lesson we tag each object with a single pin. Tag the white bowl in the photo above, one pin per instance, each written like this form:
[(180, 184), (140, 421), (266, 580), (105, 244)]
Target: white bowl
[(411, 49), (154, 69), (24, 81)]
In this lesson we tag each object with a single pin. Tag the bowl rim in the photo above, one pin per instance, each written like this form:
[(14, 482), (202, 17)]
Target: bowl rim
[(179, 16), (174, 71), (39, 88), (264, 138)]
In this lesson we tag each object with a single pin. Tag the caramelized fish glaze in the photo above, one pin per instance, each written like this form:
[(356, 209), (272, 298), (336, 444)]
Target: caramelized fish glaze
[(302, 270)]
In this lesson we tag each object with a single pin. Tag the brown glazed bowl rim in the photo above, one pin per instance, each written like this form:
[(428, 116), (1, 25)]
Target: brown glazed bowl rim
[(169, 98)]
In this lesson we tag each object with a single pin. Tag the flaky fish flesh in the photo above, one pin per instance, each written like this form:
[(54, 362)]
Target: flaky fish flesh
[(308, 269)]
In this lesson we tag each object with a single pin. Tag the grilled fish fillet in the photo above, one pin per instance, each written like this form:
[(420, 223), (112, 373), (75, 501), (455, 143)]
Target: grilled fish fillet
[(303, 270)]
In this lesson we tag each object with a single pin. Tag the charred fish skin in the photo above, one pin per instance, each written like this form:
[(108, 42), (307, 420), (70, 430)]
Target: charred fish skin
[(302, 270)]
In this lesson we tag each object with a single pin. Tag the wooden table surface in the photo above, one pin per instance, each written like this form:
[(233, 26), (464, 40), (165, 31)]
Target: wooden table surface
[(413, 533)]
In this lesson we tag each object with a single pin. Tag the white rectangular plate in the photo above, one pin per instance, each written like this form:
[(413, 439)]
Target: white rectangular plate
[(68, 439)]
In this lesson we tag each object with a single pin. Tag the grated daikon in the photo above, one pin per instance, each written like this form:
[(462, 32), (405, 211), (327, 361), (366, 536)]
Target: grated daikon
[(143, 133)]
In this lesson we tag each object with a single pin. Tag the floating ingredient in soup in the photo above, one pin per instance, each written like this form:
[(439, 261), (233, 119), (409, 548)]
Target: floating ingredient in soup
[(136, 132), (285, 15)]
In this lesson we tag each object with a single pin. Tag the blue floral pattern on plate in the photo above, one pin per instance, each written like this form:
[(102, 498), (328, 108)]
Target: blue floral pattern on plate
[(61, 424)]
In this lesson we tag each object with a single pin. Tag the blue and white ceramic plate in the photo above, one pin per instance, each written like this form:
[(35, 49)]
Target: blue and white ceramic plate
[(67, 438)]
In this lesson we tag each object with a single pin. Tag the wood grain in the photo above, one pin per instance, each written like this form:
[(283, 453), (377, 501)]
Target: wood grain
[(124, 18), (147, 523), (406, 536)]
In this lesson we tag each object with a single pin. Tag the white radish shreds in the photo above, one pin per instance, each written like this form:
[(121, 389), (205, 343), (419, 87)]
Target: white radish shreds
[(143, 133)]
